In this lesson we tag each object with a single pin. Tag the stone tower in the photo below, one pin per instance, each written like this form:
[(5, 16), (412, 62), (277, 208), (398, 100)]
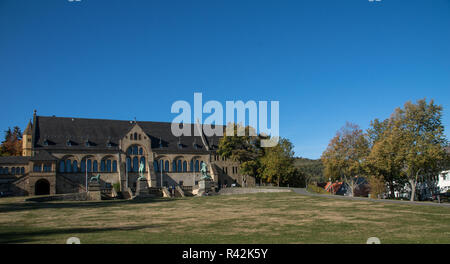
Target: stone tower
[(27, 140)]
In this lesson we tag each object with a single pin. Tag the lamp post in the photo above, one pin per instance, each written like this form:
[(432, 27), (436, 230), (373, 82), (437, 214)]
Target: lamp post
[(161, 169), (86, 168)]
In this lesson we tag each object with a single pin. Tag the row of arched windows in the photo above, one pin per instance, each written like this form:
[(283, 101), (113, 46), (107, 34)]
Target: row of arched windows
[(177, 166), (42, 167), (136, 136), (14, 170), (135, 150), (72, 166), (134, 163)]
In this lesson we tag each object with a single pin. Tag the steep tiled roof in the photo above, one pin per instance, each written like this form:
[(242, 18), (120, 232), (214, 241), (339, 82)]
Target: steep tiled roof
[(55, 133), (14, 160), (43, 156)]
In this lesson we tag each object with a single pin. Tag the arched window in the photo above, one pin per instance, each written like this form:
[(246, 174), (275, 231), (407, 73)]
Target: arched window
[(128, 164), (155, 166), (135, 150), (89, 165), (36, 168), (180, 168), (75, 166), (6, 170), (129, 151), (61, 166), (135, 164), (166, 166), (22, 170), (114, 166), (68, 166), (13, 170), (47, 168), (94, 166), (197, 166), (135, 136), (184, 166), (108, 165), (83, 166), (141, 151), (102, 166), (191, 166), (174, 166), (142, 161)]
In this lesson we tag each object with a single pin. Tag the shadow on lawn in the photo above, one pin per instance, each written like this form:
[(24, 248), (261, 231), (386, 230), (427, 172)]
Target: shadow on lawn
[(32, 236), (22, 206)]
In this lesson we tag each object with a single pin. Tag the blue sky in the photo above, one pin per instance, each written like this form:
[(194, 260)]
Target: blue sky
[(326, 62)]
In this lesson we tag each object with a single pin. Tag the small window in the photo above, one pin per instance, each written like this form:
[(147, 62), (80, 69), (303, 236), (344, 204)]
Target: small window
[(114, 166), (108, 165), (94, 166)]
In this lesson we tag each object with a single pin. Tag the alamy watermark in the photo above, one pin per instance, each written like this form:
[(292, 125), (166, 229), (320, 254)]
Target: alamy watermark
[(212, 125)]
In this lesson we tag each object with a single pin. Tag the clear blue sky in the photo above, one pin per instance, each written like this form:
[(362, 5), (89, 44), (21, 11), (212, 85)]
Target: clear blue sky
[(327, 62)]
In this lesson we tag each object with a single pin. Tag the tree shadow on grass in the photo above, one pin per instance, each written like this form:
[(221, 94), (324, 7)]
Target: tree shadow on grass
[(25, 206), (32, 236)]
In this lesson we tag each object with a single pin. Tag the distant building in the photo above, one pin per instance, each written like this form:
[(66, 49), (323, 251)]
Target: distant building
[(444, 181), (59, 152)]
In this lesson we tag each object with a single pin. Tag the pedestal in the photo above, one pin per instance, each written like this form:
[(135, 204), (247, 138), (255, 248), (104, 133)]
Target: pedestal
[(142, 189), (204, 187), (94, 191)]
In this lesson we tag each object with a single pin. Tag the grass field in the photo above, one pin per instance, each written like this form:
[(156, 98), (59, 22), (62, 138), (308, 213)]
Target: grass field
[(252, 218)]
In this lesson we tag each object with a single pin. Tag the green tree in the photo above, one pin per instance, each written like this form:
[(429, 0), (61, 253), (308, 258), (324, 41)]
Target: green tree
[(278, 163), (245, 149)]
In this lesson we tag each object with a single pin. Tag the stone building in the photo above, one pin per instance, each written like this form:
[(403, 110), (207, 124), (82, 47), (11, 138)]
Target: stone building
[(61, 154)]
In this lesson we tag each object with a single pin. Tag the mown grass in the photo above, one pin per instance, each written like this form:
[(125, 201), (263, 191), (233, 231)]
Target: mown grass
[(252, 218)]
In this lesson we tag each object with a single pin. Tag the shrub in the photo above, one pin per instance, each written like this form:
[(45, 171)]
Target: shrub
[(116, 186), (316, 189)]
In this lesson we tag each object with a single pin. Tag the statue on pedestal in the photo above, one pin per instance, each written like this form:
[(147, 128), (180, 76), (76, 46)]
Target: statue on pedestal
[(203, 170), (141, 172)]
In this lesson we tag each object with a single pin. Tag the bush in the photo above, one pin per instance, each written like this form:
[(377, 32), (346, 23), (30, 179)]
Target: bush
[(316, 189), (116, 187)]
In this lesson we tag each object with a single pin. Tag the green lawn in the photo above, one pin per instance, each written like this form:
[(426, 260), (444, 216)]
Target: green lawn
[(252, 218)]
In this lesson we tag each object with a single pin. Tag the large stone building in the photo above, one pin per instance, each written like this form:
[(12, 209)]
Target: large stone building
[(60, 154)]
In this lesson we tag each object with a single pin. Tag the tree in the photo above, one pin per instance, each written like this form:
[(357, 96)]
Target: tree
[(311, 169), (12, 145), (383, 161), (278, 163), (344, 157), (421, 141), (245, 149)]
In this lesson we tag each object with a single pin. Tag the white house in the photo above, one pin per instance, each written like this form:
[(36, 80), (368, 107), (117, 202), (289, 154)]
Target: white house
[(444, 181)]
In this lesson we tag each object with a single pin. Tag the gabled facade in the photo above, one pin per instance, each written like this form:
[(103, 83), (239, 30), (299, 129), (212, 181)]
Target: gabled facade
[(61, 154)]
